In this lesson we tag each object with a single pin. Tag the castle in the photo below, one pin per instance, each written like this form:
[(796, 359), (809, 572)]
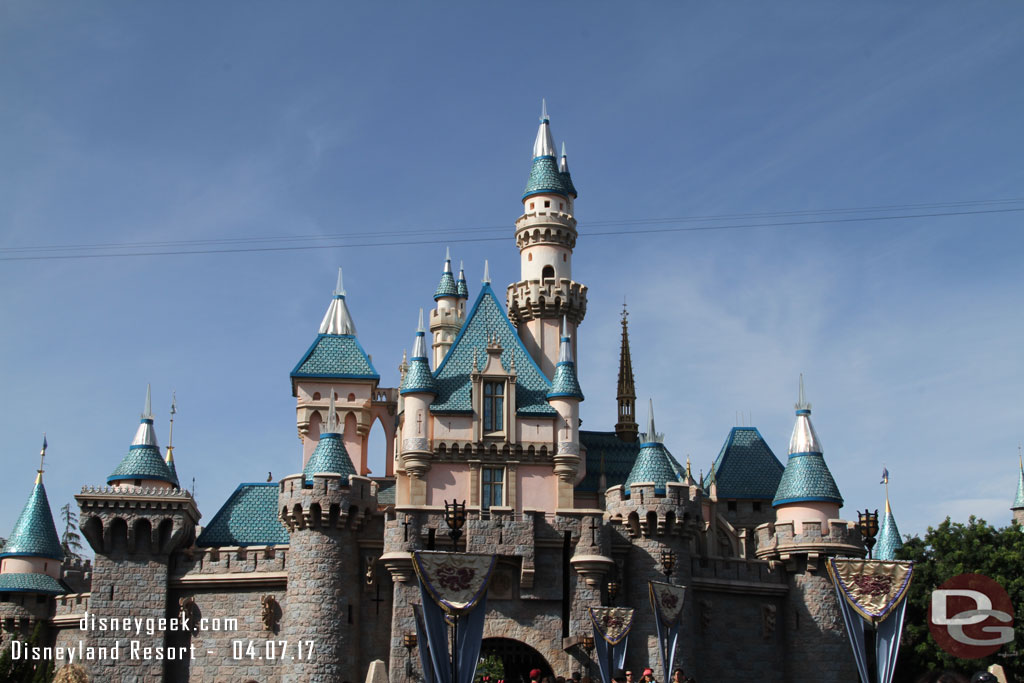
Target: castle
[(310, 578)]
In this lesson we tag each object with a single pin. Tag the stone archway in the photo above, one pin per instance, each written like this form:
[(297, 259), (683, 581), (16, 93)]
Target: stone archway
[(516, 657)]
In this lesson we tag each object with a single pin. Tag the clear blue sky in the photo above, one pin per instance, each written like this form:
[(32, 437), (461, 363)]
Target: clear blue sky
[(141, 123)]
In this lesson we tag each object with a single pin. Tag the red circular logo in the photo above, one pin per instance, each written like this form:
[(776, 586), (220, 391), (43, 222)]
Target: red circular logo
[(970, 616)]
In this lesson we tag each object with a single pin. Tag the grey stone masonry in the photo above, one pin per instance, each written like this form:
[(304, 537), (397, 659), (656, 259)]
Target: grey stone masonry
[(324, 520), (133, 531)]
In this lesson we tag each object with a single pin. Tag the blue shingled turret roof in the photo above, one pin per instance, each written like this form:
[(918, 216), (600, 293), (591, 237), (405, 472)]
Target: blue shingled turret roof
[(746, 467), (173, 470), (889, 540), (329, 457), (336, 356), (452, 378), (418, 378), (248, 517), (563, 168), (142, 462), (1018, 502), (30, 583), (447, 286), (34, 534), (654, 463), (461, 286), (565, 383), (545, 178), (807, 479)]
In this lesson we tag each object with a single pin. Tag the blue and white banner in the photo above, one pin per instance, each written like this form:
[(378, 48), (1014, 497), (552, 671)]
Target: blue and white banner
[(611, 633), (872, 592), (667, 601)]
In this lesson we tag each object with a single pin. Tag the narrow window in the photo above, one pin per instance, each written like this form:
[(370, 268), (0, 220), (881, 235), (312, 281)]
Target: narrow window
[(548, 272), (757, 506), (732, 506), (138, 482), (531, 206), (316, 396), (529, 257), (494, 403), (547, 204), (492, 482), (565, 257)]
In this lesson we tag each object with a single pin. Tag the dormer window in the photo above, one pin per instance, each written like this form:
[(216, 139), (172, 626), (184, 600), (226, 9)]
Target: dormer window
[(494, 406)]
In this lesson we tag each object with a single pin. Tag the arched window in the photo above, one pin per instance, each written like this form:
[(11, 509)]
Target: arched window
[(548, 272)]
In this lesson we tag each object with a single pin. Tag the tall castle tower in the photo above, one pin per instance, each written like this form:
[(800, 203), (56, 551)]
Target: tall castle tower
[(450, 309), (808, 531), (546, 236)]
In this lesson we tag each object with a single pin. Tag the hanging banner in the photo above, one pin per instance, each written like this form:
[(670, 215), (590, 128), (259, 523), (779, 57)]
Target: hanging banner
[(872, 592), (667, 601), (453, 591), (873, 588), (423, 642), (611, 634)]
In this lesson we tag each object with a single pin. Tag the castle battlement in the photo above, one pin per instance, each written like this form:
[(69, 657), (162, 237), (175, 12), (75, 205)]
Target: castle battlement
[(553, 227), (230, 560), (531, 299), (780, 540), (327, 502)]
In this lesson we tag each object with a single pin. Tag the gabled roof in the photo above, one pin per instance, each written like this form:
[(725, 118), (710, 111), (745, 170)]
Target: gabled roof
[(618, 456), (452, 378), (746, 466), (30, 583), (34, 534), (338, 356), (329, 457), (248, 517)]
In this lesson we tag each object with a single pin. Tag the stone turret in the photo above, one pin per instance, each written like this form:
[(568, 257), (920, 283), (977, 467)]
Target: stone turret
[(807, 531), (565, 397), (546, 236), (657, 509), (133, 529), (325, 508)]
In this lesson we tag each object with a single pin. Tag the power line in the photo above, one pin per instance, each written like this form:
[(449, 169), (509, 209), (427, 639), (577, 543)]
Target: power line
[(457, 240)]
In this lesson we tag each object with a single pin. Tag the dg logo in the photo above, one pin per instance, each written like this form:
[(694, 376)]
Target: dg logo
[(970, 616)]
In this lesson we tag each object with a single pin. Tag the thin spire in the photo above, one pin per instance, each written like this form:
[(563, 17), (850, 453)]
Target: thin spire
[(652, 436), (144, 435), (42, 454), (339, 290), (544, 145), (447, 259), (565, 343), (170, 430), (801, 402), (147, 413), (338, 320), (1018, 501), (332, 418), (487, 272), (627, 427), (419, 348), (563, 163)]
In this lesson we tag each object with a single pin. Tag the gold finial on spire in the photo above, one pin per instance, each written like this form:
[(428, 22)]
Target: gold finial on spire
[(42, 454), (170, 433)]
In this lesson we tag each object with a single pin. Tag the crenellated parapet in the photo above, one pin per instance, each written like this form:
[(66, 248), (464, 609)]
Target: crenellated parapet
[(546, 226), (137, 519), (647, 513), (784, 541), (328, 502), (549, 298)]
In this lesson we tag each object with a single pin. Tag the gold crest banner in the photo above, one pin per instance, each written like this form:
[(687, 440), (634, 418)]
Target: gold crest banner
[(873, 588), (612, 623), (455, 581), (667, 601)]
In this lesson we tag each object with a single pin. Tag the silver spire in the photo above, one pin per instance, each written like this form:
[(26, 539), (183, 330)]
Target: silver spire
[(144, 435), (565, 350), (332, 416), (339, 290), (462, 271), (804, 438), (563, 163), (419, 347), (338, 320), (544, 145), (652, 436), (487, 273), (447, 259)]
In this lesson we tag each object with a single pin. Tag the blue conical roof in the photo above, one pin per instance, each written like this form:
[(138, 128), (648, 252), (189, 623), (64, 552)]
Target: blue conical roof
[(565, 384), (889, 540), (653, 463), (447, 286), (544, 174), (34, 533), (563, 168), (172, 469), (143, 460), (806, 477), (1018, 502), (461, 286), (418, 378), (329, 457)]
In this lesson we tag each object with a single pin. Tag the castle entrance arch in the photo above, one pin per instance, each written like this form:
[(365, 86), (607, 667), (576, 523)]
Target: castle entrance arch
[(517, 658)]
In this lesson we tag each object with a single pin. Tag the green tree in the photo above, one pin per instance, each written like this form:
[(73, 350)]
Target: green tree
[(26, 670), (71, 541), (945, 551), (492, 666)]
